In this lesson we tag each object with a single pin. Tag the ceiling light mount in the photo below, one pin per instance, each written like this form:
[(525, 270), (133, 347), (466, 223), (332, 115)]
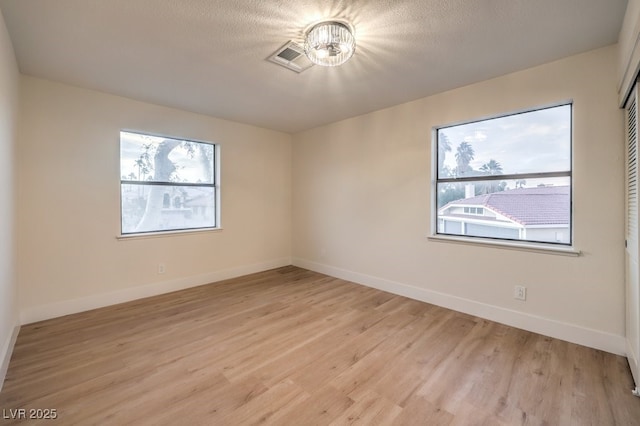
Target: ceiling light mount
[(329, 43)]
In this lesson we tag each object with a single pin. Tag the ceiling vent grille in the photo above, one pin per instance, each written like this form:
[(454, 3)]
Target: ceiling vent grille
[(291, 56)]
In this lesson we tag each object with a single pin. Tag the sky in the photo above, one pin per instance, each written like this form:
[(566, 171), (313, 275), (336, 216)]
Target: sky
[(538, 141)]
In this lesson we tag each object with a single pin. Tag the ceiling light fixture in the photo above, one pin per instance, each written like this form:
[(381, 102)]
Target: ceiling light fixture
[(329, 43)]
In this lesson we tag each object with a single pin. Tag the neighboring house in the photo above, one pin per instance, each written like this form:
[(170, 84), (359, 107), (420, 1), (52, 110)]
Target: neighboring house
[(533, 214), (181, 208), (200, 207)]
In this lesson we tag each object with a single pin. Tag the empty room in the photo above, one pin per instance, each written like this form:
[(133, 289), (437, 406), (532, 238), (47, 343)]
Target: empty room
[(417, 212)]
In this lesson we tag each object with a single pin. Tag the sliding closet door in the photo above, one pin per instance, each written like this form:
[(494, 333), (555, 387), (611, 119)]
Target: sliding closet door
[(632, 240)]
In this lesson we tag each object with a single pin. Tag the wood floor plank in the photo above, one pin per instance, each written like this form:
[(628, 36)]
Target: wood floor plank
[(371, 409), (418, 411), (344, 354), (325, 406), (311, 359), (291, 346)]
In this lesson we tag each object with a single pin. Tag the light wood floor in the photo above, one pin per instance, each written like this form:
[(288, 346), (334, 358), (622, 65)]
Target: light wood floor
[(295, 347)]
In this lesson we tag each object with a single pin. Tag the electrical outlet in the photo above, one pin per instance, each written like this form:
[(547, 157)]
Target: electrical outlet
[(161, 268), (520, 292)]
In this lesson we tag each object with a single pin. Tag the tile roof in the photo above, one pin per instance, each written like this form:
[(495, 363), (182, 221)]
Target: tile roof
[(548, 205)]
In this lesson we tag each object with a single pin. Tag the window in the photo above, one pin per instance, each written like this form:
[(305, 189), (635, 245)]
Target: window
[(474, 210), (167, 184), (506, 178)]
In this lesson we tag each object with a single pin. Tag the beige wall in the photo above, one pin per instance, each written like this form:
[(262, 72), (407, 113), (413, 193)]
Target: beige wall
[(361, 205), (68, 169), (9, 78)]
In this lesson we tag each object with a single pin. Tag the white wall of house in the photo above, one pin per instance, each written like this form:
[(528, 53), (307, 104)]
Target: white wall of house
[(558, 234), (9, 78), (362, 205), (68, 179)]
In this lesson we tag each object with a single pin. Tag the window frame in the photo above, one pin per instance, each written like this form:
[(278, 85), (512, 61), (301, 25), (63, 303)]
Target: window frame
[(536, 246), (178, 231)]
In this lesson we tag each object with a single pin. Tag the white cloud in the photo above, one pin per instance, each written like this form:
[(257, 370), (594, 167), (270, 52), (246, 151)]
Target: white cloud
[(477, 136), (521, 143)]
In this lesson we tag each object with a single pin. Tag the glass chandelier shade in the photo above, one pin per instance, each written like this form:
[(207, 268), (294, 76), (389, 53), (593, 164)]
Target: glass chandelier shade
[(329, 44)]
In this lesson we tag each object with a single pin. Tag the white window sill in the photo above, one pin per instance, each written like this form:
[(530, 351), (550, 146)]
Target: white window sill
[(162, 234), (509, 245)]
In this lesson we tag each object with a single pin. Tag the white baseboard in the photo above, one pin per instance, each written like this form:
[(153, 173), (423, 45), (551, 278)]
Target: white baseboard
[(58, 309), (7, 351), (564, 331), (634, 364)]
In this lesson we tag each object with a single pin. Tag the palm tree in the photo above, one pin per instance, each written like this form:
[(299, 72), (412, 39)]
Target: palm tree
[(464, 155), (444, 146), (492, 167)]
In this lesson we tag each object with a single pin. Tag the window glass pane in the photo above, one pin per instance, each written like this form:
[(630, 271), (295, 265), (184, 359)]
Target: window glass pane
[(537, 210), (148, 208), (160, 159), (531, 142)]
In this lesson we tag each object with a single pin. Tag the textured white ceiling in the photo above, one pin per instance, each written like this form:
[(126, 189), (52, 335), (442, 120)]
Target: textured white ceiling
[(209, 56)]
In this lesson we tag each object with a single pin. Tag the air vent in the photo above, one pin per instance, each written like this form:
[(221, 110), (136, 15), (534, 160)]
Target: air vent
[(291, 56), (288, 54)]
